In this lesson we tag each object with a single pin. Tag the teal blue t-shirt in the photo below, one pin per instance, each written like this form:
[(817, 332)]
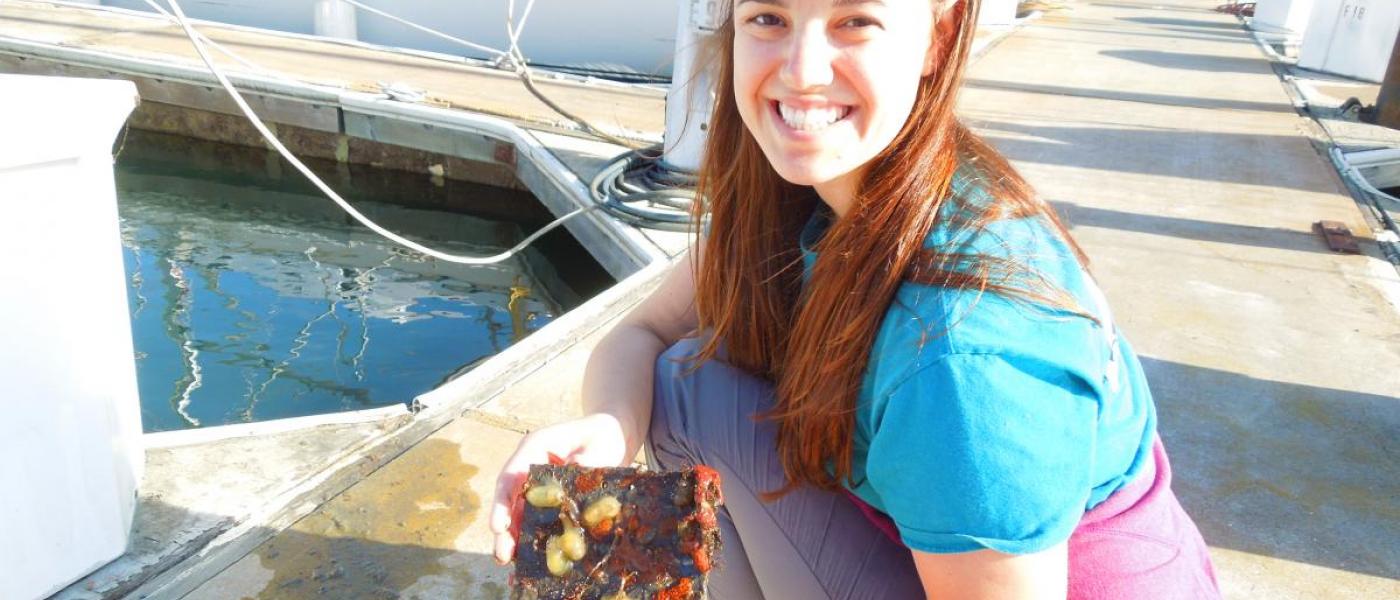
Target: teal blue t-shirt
[(987, 423)]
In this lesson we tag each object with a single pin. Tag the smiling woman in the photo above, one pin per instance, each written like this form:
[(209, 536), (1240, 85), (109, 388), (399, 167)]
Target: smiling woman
[(887, 345), (823, 91)]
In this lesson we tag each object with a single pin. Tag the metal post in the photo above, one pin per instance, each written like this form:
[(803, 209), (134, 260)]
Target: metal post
[(690, 101), (336, 19), (1388, 104)]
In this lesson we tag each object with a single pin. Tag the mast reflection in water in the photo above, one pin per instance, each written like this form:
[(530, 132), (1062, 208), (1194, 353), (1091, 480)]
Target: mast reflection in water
[(250, 302)]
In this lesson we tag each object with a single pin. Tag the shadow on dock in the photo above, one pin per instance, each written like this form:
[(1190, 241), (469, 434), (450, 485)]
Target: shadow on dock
[(1192, 229), (1191, 23), (1136, 97), (1194, 157), (1298, 472), (1192, 62)]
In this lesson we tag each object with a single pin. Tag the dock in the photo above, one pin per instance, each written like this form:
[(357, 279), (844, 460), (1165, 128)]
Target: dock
[(1160, 130)]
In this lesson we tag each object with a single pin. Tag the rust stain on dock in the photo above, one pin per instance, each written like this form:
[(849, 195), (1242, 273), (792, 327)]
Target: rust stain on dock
[(394, 533)]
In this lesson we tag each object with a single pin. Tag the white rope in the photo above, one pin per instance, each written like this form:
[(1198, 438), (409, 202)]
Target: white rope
[(514, 29), (512, 57), (326, 189), (427, 30), (522, 69)]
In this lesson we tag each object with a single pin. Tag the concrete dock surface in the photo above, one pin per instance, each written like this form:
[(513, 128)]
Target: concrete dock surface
[(1165, 137), (1161, 132)]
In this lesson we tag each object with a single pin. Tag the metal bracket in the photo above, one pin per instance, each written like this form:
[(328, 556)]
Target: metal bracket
[(1337, 236)]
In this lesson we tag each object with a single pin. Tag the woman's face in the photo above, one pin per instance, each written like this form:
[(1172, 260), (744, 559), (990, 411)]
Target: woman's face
[(825, 85)]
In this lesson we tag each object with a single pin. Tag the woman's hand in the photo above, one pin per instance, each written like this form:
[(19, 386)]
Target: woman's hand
[(595, 440), (616, 394)]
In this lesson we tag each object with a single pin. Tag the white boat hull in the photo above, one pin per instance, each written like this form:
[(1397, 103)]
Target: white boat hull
[(633, 35)]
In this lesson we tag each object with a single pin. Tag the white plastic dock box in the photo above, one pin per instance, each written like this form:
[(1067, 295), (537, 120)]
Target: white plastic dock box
[(1282, 16), (70, 438), (1351, 37)]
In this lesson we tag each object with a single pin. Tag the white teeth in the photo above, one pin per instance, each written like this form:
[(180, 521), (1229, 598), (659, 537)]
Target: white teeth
[(813, 119)]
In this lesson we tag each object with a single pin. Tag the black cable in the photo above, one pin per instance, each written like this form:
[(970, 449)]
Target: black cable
[(638, 187)]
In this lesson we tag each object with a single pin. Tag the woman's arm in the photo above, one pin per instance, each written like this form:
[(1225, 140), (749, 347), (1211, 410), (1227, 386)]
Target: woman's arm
[(985, 460), (617, 392), (618, 379), (993, 575)]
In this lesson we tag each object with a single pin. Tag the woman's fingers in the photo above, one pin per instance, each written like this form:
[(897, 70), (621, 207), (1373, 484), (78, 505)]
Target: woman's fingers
[(502, 520), (504, 517), (588, 441)]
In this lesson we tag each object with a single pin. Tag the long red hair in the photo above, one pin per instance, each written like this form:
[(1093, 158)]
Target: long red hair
[(813, 342)]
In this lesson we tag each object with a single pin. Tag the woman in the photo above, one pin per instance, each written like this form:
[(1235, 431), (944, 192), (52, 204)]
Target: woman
[(889, 348)]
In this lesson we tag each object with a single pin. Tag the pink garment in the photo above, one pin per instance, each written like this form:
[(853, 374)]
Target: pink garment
[(1137, 544)]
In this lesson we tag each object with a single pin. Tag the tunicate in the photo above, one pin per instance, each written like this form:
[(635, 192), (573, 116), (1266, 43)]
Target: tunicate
[(572, 543), (548, 494), (606, 507), (554, 558)]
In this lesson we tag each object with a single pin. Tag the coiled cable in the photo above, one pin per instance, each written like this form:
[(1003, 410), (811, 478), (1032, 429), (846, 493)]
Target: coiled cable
[(641, 189)]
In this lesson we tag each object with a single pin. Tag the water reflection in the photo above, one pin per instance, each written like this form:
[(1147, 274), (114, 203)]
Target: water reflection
[(250, 303)]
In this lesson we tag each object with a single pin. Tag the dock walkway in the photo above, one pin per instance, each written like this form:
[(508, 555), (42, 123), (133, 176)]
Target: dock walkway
[(1166, 138), (1161, 132)]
